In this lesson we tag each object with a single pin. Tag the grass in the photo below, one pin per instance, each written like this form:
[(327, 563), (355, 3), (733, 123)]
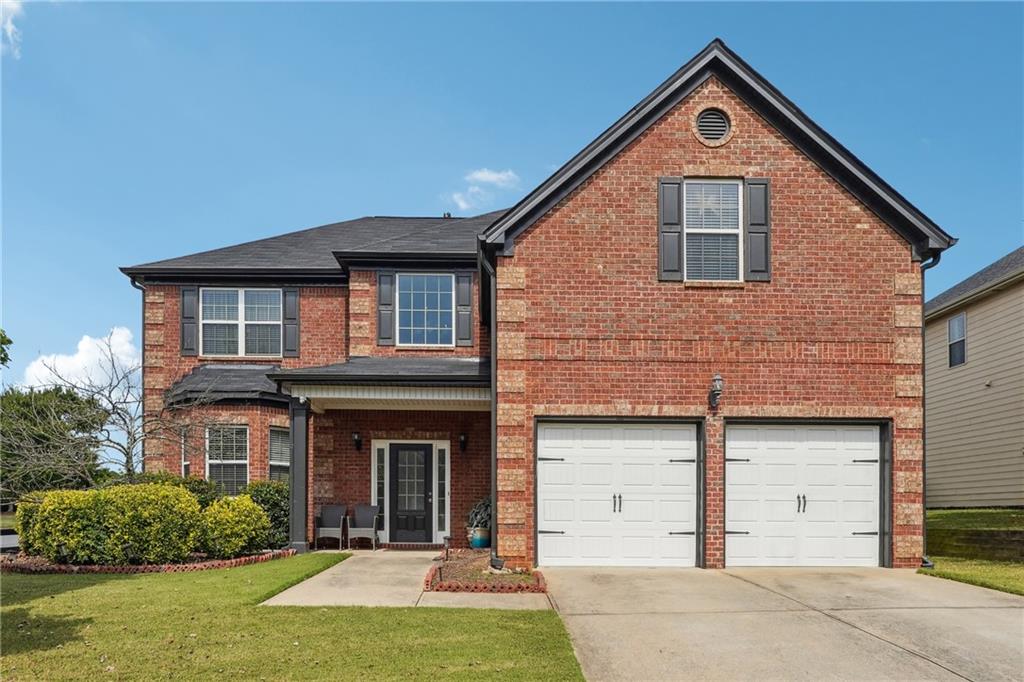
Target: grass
[(1007, 576), (976, 519), (208, 624), (6, 520)]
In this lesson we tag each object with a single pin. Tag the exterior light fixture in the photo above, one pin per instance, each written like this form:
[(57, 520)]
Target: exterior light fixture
[(463, 442), (715, 394), (357, 440)]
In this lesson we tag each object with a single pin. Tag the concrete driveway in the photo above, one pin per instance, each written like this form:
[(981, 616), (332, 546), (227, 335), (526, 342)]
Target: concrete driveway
[(786, 624)]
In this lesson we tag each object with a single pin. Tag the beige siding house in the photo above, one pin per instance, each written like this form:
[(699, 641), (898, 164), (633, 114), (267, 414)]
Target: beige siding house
[(974, 389)]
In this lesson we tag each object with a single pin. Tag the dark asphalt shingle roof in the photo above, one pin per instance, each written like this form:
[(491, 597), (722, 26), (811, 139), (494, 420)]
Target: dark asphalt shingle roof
[(1006, 266), (213, 382), (398, 371), (313, 248)]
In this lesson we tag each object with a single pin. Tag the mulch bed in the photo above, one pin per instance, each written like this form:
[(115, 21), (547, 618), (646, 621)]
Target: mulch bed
[(24, 563), (468, 570)]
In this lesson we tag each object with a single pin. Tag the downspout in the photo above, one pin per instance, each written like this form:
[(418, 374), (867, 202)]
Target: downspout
[(142, 370), (925, 561), (487, 267)]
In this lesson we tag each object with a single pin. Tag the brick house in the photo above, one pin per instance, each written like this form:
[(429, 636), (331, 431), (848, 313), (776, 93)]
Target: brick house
[(697, 343)]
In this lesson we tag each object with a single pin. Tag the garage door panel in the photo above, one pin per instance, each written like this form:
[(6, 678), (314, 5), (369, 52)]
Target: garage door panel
[(631, 463), (596, 474), (816, 464)]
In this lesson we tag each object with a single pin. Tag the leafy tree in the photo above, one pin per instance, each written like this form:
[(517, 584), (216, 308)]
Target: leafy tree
[(5, 345), (49, 440)]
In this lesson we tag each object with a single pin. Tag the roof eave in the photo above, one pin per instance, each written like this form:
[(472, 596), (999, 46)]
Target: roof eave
[(365, 259), (974, 295), (717, 59)]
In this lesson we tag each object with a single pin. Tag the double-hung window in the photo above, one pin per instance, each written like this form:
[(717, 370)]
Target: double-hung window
[(241, 322), (957, 339), (426, 309), (227, 457), (280, 454), (712, 220)]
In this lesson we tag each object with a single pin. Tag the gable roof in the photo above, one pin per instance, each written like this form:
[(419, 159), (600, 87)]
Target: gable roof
[(718, 60), (1004, 271), (311, 251)]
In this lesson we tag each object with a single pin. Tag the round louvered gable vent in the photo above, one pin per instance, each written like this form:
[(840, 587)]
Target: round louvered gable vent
[(712, 125)]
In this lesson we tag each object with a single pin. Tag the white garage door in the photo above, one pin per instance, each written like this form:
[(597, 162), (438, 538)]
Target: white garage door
[(616, 495), (801, 496)]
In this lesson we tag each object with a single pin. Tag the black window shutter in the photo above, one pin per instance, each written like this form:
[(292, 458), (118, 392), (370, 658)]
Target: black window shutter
[(190, 320), (290, 322), (670, 228), (385, 308), (757, 233), (464, 309)]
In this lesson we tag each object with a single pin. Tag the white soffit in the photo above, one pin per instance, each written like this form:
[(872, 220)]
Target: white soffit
[(335, 397)]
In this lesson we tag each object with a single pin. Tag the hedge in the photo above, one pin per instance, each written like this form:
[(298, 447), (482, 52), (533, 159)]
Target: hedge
[(234, 526), (120, 525), (25, 521), (272, 497)]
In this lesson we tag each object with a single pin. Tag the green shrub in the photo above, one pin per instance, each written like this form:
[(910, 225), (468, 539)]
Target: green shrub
[(69, 527), (25, 521), (205, 491), (272, 497), (123, 524), (149, 523), (234, 526)]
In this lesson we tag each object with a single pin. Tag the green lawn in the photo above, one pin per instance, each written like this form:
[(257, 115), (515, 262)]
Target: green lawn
[(1007, 576), (6, 519), (976, 519), (209, 624)]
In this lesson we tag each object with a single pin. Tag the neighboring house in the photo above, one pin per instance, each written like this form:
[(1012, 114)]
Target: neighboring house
[(564, 351), (974, 389)]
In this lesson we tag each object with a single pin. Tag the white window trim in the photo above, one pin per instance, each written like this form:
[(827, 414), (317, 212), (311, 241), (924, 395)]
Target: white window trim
[(437, 535), (398, 310), (949, 344), (184, 455), (240, 322), (248, 468), (704, 230), (270, 462)]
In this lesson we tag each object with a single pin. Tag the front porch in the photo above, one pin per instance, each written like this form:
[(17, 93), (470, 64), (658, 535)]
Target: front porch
[(411, 437)]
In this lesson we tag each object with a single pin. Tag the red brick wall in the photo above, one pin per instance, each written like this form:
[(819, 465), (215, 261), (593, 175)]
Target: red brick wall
[(322, 328), (586, 328), (258, 418), (341, 474), (363, 337)]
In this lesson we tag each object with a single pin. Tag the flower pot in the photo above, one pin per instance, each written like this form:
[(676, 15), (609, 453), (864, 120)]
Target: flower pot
[(479, 538)]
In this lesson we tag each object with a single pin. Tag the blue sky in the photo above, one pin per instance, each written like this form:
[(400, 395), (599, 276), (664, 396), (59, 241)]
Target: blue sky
[(133, 131)]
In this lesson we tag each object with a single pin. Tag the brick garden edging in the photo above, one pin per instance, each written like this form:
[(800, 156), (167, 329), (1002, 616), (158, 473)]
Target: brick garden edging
[(538, 584), (21, 565)]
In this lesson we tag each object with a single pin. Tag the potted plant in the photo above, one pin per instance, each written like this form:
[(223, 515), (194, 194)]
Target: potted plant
[(478, 524)]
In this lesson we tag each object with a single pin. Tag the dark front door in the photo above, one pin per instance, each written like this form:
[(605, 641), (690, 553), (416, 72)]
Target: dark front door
[(410, 494)]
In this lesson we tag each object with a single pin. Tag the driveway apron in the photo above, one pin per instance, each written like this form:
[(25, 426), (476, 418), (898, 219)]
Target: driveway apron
[(786, 624)]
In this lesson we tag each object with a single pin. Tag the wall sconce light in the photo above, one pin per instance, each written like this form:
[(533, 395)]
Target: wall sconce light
[(463, 442), (715, 394), (357, 440)]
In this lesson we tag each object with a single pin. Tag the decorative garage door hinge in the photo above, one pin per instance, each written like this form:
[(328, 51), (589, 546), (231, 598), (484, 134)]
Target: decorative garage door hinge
[(865, 461), (737, 532), (673, 461), (551, 459), (682, 532), (551, 532), (736, 459), (873, 532)]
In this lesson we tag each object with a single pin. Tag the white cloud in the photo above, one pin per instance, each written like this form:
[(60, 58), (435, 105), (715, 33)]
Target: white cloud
[(10, 42), (483, 183), (505, 179), (89, 359)]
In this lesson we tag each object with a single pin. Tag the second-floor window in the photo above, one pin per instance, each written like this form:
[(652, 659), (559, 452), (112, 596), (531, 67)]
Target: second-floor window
[(241, 322), (957, 330), (426, 309), (712, 227)]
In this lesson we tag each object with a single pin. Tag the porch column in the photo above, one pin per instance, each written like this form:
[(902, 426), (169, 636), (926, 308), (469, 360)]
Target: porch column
[(299, 412)]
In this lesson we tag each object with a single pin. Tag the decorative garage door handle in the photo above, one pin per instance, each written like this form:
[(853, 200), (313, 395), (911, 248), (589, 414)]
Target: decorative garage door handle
[(620, 502), (804, 498)]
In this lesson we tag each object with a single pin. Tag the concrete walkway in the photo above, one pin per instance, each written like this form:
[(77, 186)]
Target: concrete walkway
[(391, 578), (784, 623)]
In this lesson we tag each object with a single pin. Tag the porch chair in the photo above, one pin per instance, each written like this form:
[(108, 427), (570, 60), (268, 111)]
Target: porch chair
[(330, 523), (365, 524)]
